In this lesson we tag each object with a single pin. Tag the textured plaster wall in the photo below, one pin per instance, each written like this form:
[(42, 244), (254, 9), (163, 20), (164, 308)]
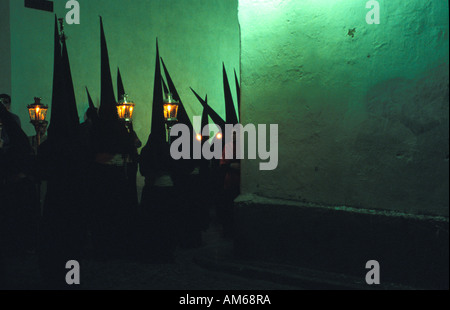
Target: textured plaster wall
[(363, 119), (5, 48), (195, 37)]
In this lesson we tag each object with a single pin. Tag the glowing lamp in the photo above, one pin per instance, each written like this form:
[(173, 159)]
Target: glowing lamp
[(125, 109), (170, 113), (170, 109), (38, 112)]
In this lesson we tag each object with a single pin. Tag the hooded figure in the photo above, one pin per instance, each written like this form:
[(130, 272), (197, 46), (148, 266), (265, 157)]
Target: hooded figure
[(155, 154), (226, 172), (159, 219), (230, 167), (87, 129), (61, 162), (18, 200), (186, 166), (110, 196), (189, 178), (218, 121), (133, 158)]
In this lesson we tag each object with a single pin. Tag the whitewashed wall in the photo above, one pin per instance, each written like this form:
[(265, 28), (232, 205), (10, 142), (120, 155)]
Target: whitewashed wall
[(5, 48), (363, 120)]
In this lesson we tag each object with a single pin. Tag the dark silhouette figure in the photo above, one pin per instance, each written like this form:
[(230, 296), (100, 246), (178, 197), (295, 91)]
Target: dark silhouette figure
[(61, 164), (132, 166), (231, 189), (160, 220), (109, 195), (18, 201)]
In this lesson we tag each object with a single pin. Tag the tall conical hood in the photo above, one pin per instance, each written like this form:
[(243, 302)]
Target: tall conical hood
[(111, 135), (230, 110), (70, 101), (120, 88), (64, 120), (183, 117), (238, 92), (214, 116), (205, 121), (155, 155), (56, 129), (158, 130), (107, 110)]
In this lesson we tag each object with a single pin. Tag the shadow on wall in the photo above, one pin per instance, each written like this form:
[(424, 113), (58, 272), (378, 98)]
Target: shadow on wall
[(403, 145), (421, 105)]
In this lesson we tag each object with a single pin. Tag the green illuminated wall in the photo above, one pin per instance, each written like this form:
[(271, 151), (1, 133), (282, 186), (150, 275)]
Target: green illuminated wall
[(194, 36), (5, 49), (364, 119)]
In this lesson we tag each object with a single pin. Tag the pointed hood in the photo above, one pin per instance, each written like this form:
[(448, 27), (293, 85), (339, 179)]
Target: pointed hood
[(107, 110), (155, 154), (120, 88), (214, 116), (56, 129), (158, 130), (238, 93), (231, 117), (211, 113), (183, 117), (70, 101), (111, 135), (205, 121)]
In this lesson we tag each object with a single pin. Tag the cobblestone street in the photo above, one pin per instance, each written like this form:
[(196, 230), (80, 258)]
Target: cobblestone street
[(182, 274)]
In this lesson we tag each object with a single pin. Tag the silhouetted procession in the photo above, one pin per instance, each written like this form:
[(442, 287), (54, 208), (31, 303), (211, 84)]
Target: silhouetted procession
[(86, 173)]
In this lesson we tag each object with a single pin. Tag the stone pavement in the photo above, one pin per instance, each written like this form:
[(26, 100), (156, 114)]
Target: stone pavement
[(218, 254), (212, 266)]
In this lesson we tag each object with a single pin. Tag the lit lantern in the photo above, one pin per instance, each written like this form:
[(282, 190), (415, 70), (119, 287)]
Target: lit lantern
[(125, 109), (38, 112), (170, 110), (170, 113)]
